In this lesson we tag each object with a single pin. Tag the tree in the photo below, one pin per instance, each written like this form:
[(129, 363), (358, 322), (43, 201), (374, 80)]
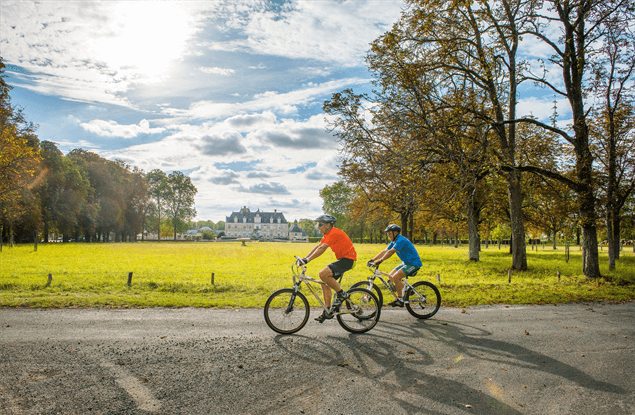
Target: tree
[(581, 28), (19, 160), (158, 188), (612, 127), (179, 198), (308, 226), (377, 155), (336, 198), (453, 46), (63, 190), (136, 200)]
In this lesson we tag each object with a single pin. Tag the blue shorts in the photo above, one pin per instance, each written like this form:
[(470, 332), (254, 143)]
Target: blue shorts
[(407, 269)]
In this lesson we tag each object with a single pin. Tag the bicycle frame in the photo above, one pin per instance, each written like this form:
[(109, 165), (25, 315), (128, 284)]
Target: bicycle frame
[(378, 274), (300, 278)]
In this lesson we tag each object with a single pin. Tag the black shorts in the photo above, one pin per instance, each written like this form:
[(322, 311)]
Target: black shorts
[(340, 266)]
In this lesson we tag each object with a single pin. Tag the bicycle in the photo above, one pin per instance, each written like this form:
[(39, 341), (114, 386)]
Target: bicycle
[(287, 310), (422, 299)]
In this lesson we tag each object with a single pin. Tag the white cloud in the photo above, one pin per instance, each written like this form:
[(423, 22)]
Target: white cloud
[(94, 51), (113, 129), (330, 31), (285, 103), (216, 70), (542, 107)]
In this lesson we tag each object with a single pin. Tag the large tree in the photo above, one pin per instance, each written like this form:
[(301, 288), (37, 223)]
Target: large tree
[(158, 187), (612, 127), (179, 200), (19, 161)]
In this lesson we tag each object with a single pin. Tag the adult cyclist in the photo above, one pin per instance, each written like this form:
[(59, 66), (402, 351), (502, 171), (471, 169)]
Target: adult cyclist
[(345, 256), (406, 251)]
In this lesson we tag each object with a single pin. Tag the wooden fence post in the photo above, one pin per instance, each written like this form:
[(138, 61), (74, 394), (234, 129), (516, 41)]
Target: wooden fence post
[(129, 279), (509, 276), (212, 278), (439, 278), (48, 283), (558, 272)]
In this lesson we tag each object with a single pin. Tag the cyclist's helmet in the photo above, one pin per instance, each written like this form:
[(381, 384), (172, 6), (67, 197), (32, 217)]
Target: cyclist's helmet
[(326, 219), (393, 228)]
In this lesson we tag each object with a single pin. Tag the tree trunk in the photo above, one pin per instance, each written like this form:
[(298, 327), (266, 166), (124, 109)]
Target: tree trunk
[(517, 242), (404, 223), (586, 196), (617, 231), (610, 234), (474, 241), (361, 232)]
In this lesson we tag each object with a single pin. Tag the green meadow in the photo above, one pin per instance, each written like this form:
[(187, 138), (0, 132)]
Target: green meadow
[(170, 274)]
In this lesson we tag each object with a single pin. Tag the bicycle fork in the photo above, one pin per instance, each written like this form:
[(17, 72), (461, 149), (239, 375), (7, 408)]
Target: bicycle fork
[(292, 299)]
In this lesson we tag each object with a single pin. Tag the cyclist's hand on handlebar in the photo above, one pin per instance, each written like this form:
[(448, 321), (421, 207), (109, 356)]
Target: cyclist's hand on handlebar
[(370, 263), (303, 261)]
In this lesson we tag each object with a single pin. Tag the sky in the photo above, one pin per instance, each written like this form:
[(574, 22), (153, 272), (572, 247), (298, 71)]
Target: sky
[(228, 92)]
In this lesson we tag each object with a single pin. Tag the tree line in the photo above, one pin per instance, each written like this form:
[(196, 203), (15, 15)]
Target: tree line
[(80, 195), (438, 142)]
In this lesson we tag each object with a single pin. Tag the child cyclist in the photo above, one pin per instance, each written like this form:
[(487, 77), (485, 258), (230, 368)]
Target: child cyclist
[(345, 256), (408, 254)]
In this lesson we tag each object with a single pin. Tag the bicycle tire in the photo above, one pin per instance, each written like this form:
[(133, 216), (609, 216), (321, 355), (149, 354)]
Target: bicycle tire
[(425, 302), (376, 291), (360, 313), (279, 319)]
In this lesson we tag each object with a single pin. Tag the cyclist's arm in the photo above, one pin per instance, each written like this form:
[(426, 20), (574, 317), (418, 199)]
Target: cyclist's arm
[(317, 251), (385, 254), (379, 255)]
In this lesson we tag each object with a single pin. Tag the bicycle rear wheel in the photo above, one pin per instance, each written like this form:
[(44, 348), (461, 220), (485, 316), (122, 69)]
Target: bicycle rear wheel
[(360, 312), (424, 301), (286, 311), (376, 290)]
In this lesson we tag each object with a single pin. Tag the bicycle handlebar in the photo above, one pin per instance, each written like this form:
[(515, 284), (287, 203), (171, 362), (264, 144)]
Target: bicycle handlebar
[(297, 263)]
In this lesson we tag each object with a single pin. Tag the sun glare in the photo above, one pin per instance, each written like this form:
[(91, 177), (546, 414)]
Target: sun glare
[(145, 37)]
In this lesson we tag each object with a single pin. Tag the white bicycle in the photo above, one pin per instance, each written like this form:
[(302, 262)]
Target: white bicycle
[(287, 310)]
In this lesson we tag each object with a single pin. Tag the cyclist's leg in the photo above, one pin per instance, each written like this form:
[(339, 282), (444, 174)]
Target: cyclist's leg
[(398, 274), (328, 274)]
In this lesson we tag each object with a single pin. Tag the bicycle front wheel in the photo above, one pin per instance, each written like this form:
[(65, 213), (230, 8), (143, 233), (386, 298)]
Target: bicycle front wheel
[(286, 311), (424, 301), (376, 290), (360, 312)]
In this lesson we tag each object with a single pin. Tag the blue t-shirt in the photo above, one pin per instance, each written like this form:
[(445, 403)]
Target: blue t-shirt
[(406, 251)]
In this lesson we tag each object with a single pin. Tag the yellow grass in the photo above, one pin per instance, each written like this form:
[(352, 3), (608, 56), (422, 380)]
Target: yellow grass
[(179, 274)]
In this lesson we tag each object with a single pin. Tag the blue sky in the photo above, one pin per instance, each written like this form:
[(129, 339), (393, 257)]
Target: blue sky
[(228, 92)]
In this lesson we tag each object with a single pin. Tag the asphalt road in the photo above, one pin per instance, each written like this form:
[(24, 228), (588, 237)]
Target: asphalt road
[(566, 359)]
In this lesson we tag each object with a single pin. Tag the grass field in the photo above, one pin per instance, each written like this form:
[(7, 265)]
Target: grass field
[(179, 275)]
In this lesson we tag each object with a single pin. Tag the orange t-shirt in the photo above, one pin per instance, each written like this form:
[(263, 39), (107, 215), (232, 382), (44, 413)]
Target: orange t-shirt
[(340, 244)]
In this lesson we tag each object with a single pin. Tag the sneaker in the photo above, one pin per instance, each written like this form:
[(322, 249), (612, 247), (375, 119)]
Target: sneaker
[(396, 303), (324, 316), (340, 297)]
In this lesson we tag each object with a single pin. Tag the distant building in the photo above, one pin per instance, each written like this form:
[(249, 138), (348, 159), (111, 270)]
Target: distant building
[(256, 225), (296, 234)]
